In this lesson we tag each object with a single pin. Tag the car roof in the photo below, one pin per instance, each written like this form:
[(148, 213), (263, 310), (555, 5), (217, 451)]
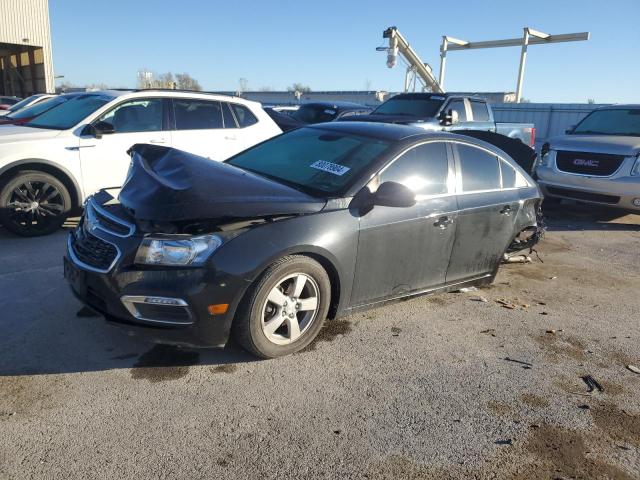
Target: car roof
[(340, 105)]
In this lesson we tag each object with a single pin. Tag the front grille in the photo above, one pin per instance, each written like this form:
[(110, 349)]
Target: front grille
[(92, 251), (579, 195), (107, 220), (586, 163)]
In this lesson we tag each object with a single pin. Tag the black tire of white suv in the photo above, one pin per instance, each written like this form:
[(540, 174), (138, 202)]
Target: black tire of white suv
[(34, 203)]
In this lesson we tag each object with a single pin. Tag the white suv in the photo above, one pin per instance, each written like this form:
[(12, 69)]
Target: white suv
[(51, 164)]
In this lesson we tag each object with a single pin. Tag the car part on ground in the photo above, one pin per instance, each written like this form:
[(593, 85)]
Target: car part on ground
[(597, 162), (330, 218), (71, 140)]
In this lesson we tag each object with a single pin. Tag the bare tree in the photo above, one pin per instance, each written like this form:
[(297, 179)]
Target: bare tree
[(186, 82), (299, 87)]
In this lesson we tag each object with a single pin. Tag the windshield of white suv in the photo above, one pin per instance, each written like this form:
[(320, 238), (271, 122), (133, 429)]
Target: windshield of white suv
[(70, 113), (416, 107), (613, 121)]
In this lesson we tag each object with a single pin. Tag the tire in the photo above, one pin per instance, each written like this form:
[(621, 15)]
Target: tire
[(34, 203), (271, 307)]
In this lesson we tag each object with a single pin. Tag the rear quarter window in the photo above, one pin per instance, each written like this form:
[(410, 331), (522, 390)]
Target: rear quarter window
[(243, 115), (479, 169)]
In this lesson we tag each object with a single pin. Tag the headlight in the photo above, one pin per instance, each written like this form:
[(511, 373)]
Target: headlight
[(177, 251), (635, 170)]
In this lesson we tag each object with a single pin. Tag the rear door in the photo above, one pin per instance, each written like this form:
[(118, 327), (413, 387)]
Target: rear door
[(104, 160), (199, 129), (486, 215), (404, 250)]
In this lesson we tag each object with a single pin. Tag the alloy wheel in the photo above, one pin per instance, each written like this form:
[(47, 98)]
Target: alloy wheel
[(290, 308), (35, 205)]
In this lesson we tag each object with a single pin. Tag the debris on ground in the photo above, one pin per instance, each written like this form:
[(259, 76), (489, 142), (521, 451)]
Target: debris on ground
[(480, 299), (516, 258), (544, 313), (633, 368), (551, 331), (525, 365), (552, 278), (505, 304), (592, 384), (584, 407), (468, 289), (395, 331), (489, 331), (507, 441)]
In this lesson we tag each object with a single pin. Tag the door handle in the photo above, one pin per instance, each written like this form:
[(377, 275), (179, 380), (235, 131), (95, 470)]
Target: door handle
[(159, 140), (506, 210), (229, 137), (442, 222)]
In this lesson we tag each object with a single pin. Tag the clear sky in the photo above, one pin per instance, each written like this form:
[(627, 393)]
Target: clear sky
[(330, 44)]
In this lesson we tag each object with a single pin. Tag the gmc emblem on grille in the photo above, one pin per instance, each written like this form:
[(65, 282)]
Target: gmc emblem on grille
[(581, 162)]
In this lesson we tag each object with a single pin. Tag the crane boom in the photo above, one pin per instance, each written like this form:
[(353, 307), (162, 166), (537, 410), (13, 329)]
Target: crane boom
[(398, 44)]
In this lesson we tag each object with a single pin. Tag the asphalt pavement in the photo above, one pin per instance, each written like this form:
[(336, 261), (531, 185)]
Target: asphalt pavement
[(486, 384)]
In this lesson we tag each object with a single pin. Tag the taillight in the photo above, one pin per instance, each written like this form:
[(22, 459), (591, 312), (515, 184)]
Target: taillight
[(533, 138)]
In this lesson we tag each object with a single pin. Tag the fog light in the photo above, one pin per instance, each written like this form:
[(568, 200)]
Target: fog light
[(636, 202)]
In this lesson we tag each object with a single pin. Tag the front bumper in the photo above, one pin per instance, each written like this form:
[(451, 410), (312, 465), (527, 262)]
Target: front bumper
[(168, 305), (619, 191)]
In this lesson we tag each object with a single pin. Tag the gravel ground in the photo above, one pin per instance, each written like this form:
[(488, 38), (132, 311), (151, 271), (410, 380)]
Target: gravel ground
[(447, 386)]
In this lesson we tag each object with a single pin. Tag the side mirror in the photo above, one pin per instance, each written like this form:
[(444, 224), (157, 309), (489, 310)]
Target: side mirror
[(393, 194), (570, 129), (450, 117), (454, 118), (99, 129)]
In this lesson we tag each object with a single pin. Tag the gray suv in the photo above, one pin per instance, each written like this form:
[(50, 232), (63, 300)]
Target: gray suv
[(597, 161)]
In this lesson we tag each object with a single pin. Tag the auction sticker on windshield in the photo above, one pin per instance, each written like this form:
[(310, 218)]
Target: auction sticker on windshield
[(330, 167)]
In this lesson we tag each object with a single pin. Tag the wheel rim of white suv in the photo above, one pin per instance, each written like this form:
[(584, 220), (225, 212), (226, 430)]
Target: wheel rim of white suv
[(34, 204)]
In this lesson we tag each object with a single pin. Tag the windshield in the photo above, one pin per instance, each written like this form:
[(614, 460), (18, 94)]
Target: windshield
[(415, 107), (314, 114), (38, 108), (614, 121), (316, 161), (17, 106), (70, 113)]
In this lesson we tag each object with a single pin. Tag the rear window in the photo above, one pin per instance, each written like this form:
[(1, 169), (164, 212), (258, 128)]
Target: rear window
[(414, 107)]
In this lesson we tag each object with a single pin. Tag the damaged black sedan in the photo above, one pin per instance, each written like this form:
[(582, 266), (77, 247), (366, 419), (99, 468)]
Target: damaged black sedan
[(313, 224)]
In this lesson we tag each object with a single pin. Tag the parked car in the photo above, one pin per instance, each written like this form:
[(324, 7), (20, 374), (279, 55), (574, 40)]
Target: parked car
[(447, 112), (315, 112), (32, 100), (597, 161), (283, 120), (26, 114), (7, 102), (315, 223), (49, 165)]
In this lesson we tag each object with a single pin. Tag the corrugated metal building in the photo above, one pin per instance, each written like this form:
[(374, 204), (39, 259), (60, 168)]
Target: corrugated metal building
[(26, 65)]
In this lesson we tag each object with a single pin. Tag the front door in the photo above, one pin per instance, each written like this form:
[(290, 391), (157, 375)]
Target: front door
[(104, 160), (487, 212), (404, 250)]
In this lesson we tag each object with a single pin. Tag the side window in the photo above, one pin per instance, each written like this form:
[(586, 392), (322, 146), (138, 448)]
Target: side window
[(458, 106), (197, 114), (480, 111), (243, 115), (140, 115), (424, 169), (480, 169), (227, 116)]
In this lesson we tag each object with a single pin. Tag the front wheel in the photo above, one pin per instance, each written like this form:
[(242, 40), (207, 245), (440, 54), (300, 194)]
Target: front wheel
[(34, 203), (285, 309)]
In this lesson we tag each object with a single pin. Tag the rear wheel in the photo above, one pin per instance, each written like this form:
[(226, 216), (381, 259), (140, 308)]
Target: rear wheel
[(285, 309), (34, 203)]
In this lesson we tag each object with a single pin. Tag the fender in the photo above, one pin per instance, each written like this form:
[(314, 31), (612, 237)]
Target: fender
[(79, 195)]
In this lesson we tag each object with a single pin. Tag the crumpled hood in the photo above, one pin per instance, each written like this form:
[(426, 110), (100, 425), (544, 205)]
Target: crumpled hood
[(616, 145), (17, 133), (164, 185)]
